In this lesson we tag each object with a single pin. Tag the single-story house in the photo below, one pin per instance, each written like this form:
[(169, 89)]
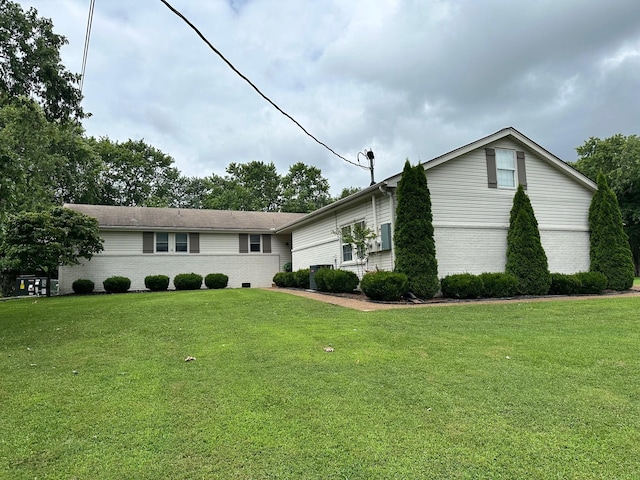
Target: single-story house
[(471, 189), (141, 241)]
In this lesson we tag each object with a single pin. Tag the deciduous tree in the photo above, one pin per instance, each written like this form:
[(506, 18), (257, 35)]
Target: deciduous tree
[(40, 242), (304, 189)]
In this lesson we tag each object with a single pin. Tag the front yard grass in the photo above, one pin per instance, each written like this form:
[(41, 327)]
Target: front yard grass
[(97, 387)]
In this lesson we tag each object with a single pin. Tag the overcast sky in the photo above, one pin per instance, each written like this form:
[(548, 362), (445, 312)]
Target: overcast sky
[(406, 78)]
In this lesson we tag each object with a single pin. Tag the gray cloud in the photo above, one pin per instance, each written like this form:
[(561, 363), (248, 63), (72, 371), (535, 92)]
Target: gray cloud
[(407, 78)]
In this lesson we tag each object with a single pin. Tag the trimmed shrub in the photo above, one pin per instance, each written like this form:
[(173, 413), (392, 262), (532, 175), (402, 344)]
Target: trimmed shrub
[(336, 281), (564, 284), (302, 278), (116, 284), (384, 286), (279, 278), (287, 267), (156, 283), (498, 285), (216, 280), (83, 285), (462, 285), (526, 258), (591, 282), (290, 280), (187, 281)]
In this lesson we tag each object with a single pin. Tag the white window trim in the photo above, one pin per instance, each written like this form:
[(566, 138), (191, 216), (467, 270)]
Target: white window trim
[(514, 170), (354, 258), (171, 243)]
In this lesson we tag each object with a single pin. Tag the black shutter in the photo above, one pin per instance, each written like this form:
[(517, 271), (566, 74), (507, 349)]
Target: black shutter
[(266, 243), (147, 242), (194, 243), (522, 172), (244, 243), (492, 175)]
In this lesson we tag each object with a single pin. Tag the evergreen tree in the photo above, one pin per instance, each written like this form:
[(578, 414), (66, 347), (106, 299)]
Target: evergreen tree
[(413, 234), (610, 252), (526, 259)]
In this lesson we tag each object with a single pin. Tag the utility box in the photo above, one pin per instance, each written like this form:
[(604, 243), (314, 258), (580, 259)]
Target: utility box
[(27, 285), (313, 269)]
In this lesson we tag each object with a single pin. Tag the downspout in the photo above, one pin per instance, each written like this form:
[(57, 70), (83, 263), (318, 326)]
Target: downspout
[(392, 206)]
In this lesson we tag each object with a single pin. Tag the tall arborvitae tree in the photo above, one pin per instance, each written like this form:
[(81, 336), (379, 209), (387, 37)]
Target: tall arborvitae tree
[(413, 234), (526, 258), (610, 251)]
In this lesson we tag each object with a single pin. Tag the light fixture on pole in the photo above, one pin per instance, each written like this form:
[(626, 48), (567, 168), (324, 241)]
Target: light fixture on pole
[(371, 158)]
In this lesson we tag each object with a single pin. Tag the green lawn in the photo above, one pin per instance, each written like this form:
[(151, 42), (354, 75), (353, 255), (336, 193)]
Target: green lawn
[(517, 390)]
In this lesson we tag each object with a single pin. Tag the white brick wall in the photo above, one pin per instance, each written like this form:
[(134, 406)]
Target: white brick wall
[(256, 269)]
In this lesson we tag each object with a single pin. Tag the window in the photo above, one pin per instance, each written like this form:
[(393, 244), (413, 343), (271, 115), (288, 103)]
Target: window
[(162, 242), (182, 242), (502, 167), (348, 248), (506, 168), (254, 243), (166, 242)]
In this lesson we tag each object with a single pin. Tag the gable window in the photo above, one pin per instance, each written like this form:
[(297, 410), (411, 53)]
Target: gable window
[(162, 242), (505, 168)]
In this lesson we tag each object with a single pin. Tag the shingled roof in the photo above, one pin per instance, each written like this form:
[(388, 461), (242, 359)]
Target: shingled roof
[(142, 218)]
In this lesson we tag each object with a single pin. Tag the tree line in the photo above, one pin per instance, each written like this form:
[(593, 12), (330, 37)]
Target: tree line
[(46, 159)]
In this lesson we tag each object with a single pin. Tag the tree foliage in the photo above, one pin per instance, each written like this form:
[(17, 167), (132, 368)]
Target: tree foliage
[(526, 258), (30, 64), (304, 189), (413, 235), (618, 157), (39, 242), (610, 252)]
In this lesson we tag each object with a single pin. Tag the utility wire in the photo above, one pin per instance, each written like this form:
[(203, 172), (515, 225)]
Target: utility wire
[(87, 38), (230, 65)]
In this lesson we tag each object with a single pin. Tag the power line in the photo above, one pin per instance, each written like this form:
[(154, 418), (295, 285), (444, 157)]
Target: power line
[(230, 65), (87, 38)]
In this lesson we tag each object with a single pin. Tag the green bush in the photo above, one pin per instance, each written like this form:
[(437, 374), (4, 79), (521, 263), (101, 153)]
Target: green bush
[(336, 281), (462, 285), (187, 281), (302, 278), (83, 285), (591, 282), (279, 279), (156, 283), (116, 284), (287, 267), (564, 284), (216, 280), (498, 285), (384, 286)]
